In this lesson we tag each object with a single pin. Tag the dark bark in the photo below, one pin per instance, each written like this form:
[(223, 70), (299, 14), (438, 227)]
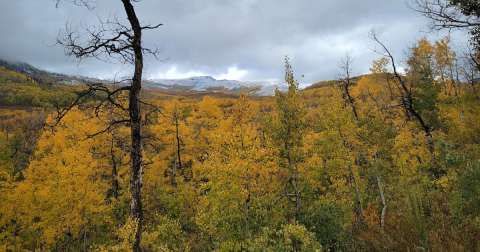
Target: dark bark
[(472, 65), (406, 98), (344, 74), (114, 173), (349, 97), (178, 141), (136, 154), (109, 41)]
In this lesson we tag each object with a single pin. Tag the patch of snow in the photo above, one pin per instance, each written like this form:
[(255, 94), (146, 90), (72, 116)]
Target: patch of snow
[(202, 83), (270, 89), (72, 82)]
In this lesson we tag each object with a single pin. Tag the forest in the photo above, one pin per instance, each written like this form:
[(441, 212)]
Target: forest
[(341, 166), (386, 161)]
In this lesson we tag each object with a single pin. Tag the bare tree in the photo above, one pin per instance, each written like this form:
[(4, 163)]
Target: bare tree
[(471, 73), (109, 41), (344, 74), (406, 99)]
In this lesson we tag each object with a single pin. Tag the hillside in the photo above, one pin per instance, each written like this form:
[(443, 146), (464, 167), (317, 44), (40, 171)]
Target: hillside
[(197, 84), (209, 84), (17, 89), (304, 170), (46, 78), (331, 83)]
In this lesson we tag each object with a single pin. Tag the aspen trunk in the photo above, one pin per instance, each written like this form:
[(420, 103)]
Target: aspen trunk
[(247, 205), (297, 190), (382, 196), (174, 173), (295, 178), (68, 239), (84, 239), (15, 235), (359, 199), (431, 145), (295, 186)]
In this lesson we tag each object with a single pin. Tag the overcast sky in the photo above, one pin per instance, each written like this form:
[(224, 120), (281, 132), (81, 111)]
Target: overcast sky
[(225, 39)]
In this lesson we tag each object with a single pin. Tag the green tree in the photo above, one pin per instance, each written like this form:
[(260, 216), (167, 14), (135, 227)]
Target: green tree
[(287, 129)]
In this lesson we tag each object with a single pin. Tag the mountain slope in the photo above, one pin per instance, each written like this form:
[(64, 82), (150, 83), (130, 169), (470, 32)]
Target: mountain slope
[(207, 83)]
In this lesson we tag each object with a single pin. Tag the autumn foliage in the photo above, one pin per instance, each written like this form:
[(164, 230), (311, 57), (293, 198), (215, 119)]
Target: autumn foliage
[(294, 172)]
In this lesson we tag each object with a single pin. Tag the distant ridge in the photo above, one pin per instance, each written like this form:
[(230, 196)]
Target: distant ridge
[(208, 83), (44, 77), (199, 84)]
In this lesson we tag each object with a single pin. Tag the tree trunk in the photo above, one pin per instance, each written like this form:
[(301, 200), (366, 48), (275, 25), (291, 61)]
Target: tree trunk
[(350, 99), (297, 190), (247, 205), (114, 174), (295, 179), (431, 145), (173, 181), (15, 235), (136, 154), (295, 186), (84, 238), (382, 196), (178, 142), (359, 199)]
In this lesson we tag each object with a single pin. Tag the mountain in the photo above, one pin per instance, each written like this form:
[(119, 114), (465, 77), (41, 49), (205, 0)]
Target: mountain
[(47, 78), (210, 84), (197, 84)]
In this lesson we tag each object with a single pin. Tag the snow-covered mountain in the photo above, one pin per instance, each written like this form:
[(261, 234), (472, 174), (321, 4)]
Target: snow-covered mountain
[(207, 83)]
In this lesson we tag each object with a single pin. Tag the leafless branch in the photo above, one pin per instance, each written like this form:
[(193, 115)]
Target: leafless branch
[(406, 98), (443, 15), (108, 41), (344, 74), (90, 4)]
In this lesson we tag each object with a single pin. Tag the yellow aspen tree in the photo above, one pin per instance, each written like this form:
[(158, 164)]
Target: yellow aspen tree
[(446, 66), (338, 146), (239, 186), (63, 194), (171, 133), (205, 123)]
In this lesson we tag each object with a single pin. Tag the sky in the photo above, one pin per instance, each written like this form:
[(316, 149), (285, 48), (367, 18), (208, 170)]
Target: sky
[(243, 40)]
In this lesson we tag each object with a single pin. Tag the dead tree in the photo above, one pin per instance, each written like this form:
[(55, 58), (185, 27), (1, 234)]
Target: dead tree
[(344, 74), (471, 68), (112, 40), (406, 92)]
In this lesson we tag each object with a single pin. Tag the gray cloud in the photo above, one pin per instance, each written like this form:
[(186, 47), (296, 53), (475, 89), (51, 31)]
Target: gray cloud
[(249, 38)]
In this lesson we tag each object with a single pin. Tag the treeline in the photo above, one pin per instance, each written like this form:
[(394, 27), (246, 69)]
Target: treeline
[(390, 163)]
